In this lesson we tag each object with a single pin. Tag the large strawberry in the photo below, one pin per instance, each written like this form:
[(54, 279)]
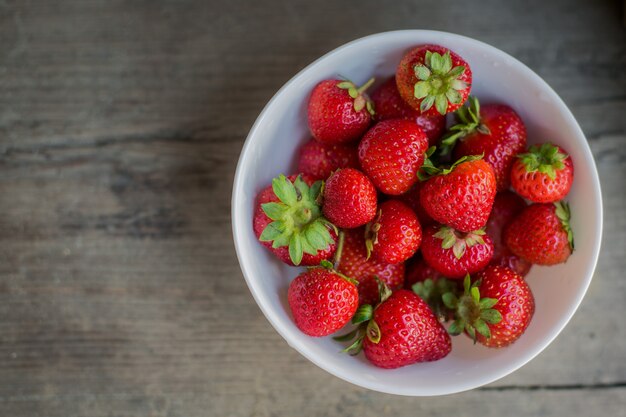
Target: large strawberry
[(493, 130), (460, 196), (389, 105), (541, 234), (455, 254), (391, 153), (354, 263), (350, 199), (494, 310), (544, 174), (322, 301), (288, 220), (433, 79), (320, 160), (339, 111), (395, 233)]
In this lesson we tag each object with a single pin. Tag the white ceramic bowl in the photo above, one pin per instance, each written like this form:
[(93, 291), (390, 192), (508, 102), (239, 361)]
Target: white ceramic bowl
[(281, 128)]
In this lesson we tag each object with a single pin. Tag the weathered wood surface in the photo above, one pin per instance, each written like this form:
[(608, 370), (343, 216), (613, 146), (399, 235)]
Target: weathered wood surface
[(120, 126)]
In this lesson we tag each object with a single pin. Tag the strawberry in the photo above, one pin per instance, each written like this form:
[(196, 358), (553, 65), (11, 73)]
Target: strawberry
[(338, 111), (354, 263), (430, 285), (322, 301), (506, 207), (319, 160), (394, 235), (493, 130), (433, 79), (544, 174), (417, 270), (389, 105), (391, 153), (541, 234), (412, 199), (461, 196), (455, 254), (495, 309), (349, 198), (288, 221)]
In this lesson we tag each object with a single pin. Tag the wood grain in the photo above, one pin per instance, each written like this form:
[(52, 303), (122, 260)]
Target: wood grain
[(120, 127)]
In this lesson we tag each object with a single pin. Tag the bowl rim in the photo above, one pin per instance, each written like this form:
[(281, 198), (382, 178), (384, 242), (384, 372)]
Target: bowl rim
[(301, 347)]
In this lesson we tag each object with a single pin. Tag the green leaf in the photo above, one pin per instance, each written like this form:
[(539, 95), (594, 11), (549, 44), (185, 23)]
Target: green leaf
[(441, 103), (373, 332), (453, 96), (459, 249), (458, 85), (428, 58), (456, 328), (355, 347), (272, 231), (456, 71), (282, 240), (482, 328), (491, 316), (318, 236), (471, 331), (314, 190), (384, 291), (422, 72), (307, 247), (284, 190), (427, 103), (436, 63), (346, 337), (302, 189), (326, 264), (486, 303), (475, 294), (353, 92), (421, 89), (295, 249), (450, 300), (275, 211), (364, 313), (467, 283), (446, 63), (344, 85)]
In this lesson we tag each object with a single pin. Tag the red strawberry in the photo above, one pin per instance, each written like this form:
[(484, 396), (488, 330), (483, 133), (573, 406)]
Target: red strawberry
[(541, 234), (455, 254), (391, 153), (395, 234), (495, 310), (322, 301), (288, 221), (417, 270), (339, 111), (389, 105), (320, 160), (433, 79), (462, 195), (506, 207), (494, 130), (354, 263), (544, 174), (349, 199), (412, 199)]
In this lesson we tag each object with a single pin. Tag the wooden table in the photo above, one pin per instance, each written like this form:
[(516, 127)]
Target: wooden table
[(120, 126)]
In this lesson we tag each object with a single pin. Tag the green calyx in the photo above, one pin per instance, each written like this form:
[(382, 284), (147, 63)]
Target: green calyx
[(459, 241), (472, 313), (469, 122), (297, 219), (371, 234), (439, 82), (358, 95), (429, 169), (544, 158), (564, 214), (431, 291), (329, 266)]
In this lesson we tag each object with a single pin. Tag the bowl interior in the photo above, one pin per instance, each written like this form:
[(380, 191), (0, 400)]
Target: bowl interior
[(271, 149)]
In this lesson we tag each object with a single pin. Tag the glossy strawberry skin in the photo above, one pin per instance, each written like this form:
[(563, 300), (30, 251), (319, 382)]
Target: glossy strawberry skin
[(506, 139), (412, 199), (538, 187), (331, 114), (321, 301), (506, 206), (474, 259), (515, 303), (406, 78), (417, 270), (261, 221), (538, 236), (354, 264), (391, 153), (350, 199), (410, 333), (463, 198), (319, 160), (400, 233), (389, 105)]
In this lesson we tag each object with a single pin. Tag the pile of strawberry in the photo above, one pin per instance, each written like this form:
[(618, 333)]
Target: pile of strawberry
[(406, 225)]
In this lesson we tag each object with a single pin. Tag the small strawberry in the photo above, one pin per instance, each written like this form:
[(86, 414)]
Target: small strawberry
[(493, 130), (288, 220), (322, 301), (389, 105), (412, 199), (460, 196), (506, 207), (391, 153), (395, 233), (541, 234), (544, 174), (433, 79), (354, 263), (339, 111), (320, 160), (349, 198), (455, 254), (495, 310)]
